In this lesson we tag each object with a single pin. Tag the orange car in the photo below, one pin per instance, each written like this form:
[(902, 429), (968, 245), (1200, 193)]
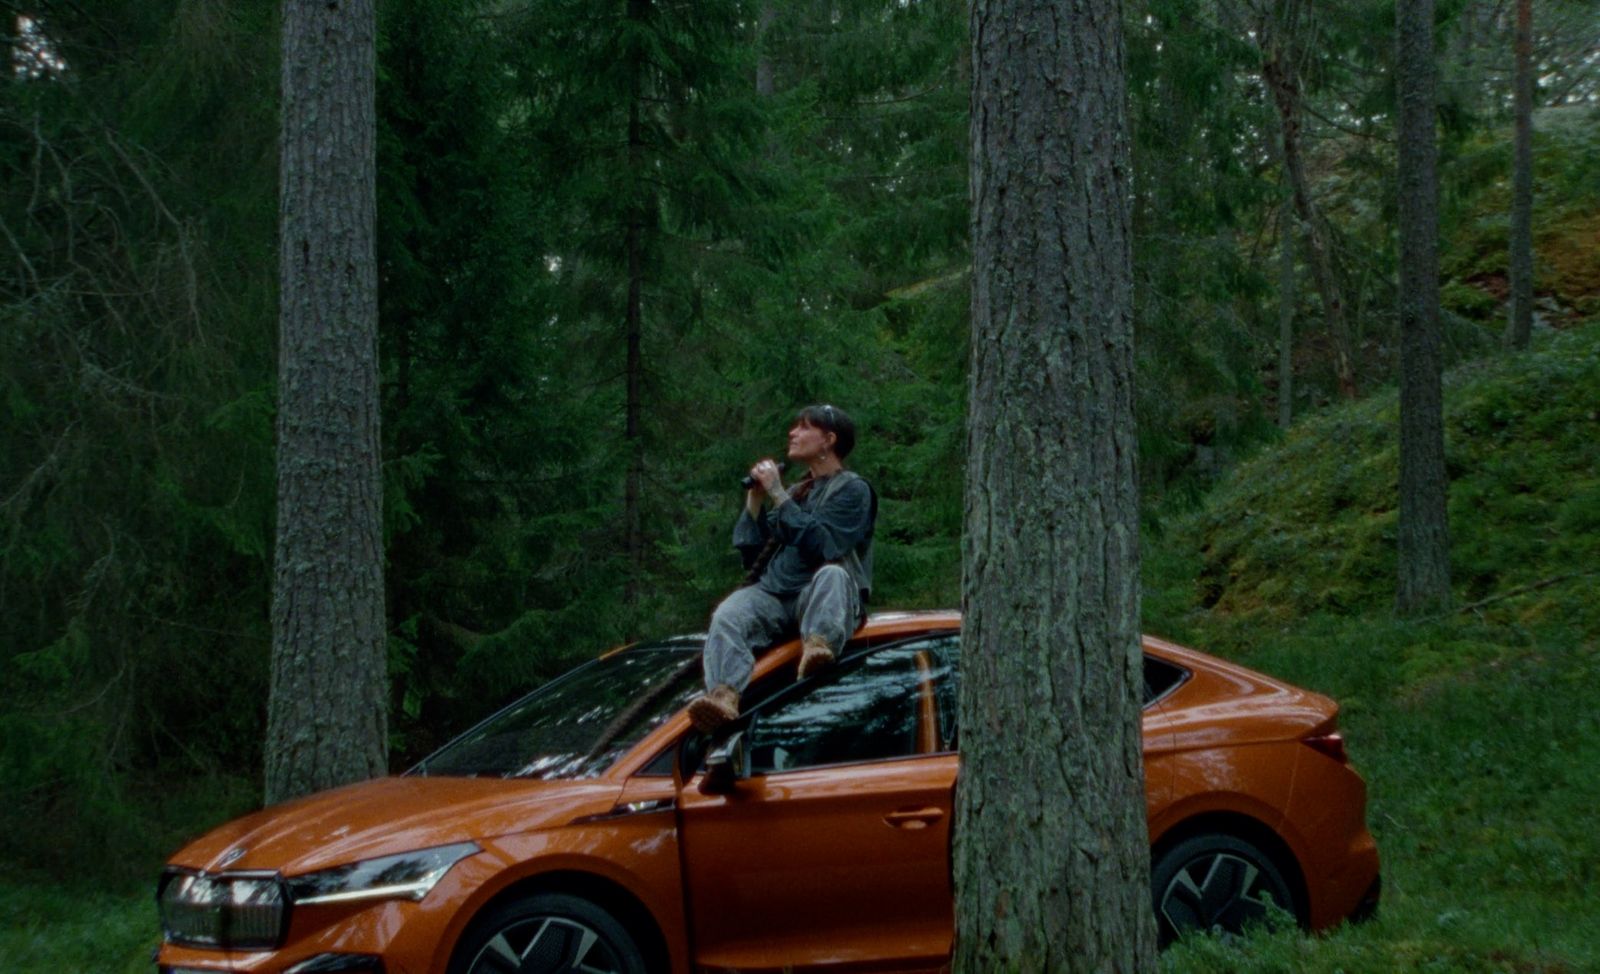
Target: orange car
[(579, 829)]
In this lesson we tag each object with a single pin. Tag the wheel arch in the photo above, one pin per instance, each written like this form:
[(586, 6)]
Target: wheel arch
[(607, 894), (1251, 830)]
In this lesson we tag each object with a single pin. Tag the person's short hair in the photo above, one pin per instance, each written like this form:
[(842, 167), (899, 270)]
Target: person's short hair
[(836, 421)]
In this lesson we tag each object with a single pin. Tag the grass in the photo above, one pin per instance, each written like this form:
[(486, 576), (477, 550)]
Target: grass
[(1478, 755), (56, 929), (88, 905)]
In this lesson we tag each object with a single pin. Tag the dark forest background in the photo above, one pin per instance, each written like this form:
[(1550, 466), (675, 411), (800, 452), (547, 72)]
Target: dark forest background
[(799, 175)]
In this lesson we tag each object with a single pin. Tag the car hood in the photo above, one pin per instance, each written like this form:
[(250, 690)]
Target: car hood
[(389, 816)]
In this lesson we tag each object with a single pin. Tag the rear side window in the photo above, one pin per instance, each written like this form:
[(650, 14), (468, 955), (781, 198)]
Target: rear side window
[(1160, 678)]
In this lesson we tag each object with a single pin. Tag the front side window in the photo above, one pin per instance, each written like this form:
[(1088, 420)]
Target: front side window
[(886, 705)]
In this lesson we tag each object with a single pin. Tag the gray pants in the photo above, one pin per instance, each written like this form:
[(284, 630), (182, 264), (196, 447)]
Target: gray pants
[(829, 606)]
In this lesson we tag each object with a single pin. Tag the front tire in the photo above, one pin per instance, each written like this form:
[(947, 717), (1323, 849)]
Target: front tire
[(1216, 883), (546, 933)]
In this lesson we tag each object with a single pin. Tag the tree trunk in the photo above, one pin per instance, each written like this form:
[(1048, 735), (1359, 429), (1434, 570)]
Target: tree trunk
[(1278, 72), (1051, 859), (1519, 327), (632, 435), (1286, 299), (327, 713), (1424, 555)]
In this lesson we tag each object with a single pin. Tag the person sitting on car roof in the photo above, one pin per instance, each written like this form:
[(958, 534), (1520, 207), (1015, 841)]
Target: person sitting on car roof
[(809, 561)]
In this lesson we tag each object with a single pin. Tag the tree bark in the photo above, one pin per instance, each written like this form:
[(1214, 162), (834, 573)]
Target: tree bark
[(1286, 299), (1051, 856), (1519, 326), (1278, 72), (327, 713), (1424, 555)]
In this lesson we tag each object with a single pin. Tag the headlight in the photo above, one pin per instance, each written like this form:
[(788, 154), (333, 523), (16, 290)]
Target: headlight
[(409, 875), (246, 910)]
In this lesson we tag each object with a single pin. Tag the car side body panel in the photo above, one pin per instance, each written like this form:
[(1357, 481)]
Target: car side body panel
[(823, 869), (1325, 822)]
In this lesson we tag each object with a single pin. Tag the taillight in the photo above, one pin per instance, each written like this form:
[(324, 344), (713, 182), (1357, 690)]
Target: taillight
[(1330, 744)]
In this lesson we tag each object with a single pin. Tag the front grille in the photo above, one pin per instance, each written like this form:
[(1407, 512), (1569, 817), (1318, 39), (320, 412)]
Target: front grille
[(226, 910)]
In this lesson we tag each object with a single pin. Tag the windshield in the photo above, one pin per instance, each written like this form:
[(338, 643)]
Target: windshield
[(576, 725)]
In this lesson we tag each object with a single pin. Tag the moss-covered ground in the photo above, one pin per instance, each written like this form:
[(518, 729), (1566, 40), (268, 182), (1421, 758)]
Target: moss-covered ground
[(1478, 731)]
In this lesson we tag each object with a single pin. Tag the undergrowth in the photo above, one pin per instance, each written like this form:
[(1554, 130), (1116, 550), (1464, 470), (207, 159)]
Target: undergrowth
[(1475, 730)]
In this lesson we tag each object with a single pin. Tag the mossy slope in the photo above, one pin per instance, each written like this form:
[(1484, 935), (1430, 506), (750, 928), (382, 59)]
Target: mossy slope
[(1309, 526), (1476, 730)]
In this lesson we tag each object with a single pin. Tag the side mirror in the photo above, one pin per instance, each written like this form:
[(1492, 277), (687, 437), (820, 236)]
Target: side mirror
[(727, 763)]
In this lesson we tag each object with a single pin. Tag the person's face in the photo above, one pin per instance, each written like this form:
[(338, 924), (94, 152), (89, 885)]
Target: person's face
[(807, 442)]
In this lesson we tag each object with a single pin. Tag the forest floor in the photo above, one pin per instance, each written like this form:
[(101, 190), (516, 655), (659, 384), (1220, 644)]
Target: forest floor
[(1476, 730)]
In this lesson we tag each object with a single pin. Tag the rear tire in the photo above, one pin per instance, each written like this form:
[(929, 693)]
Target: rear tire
[(1217, 883), (547, 933)]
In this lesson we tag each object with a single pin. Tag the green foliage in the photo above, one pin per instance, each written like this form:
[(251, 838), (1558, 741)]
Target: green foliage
[(135, 429), (1203, 321), (1475, 221)]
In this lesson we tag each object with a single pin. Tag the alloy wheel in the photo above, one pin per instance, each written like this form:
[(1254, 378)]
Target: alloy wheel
[(547, 945), (1220, 891)]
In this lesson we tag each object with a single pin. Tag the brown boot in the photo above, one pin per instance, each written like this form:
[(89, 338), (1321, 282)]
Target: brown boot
[(714, 708), (815, 655)]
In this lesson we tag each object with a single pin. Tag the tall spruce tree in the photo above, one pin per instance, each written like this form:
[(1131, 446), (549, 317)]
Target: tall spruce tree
[(136, 227), (488, 488), (327, 721), (1199, 295), (646, 123), (1424, 556), (1052, 864)]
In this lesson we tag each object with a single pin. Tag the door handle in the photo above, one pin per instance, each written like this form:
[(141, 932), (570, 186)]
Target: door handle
[(914, 818)]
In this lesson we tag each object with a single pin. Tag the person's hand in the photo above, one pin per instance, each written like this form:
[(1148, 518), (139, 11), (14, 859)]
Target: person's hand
[(769, 480), (765, 474)]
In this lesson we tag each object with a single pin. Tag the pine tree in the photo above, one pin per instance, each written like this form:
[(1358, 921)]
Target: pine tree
[(1051, 660), (327, 715), (1424, 558)]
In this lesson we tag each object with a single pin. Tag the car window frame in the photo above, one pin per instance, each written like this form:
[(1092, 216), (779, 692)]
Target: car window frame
[(852, 658), (672, 756)]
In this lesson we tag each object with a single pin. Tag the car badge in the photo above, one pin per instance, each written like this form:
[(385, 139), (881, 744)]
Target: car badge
[(231, 856)]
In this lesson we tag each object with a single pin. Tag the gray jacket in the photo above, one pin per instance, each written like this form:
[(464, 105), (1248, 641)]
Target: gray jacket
[(832, 525)]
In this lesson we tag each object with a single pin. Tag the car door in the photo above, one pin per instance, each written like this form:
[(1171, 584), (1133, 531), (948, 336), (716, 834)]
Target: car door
[(833, 852)]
